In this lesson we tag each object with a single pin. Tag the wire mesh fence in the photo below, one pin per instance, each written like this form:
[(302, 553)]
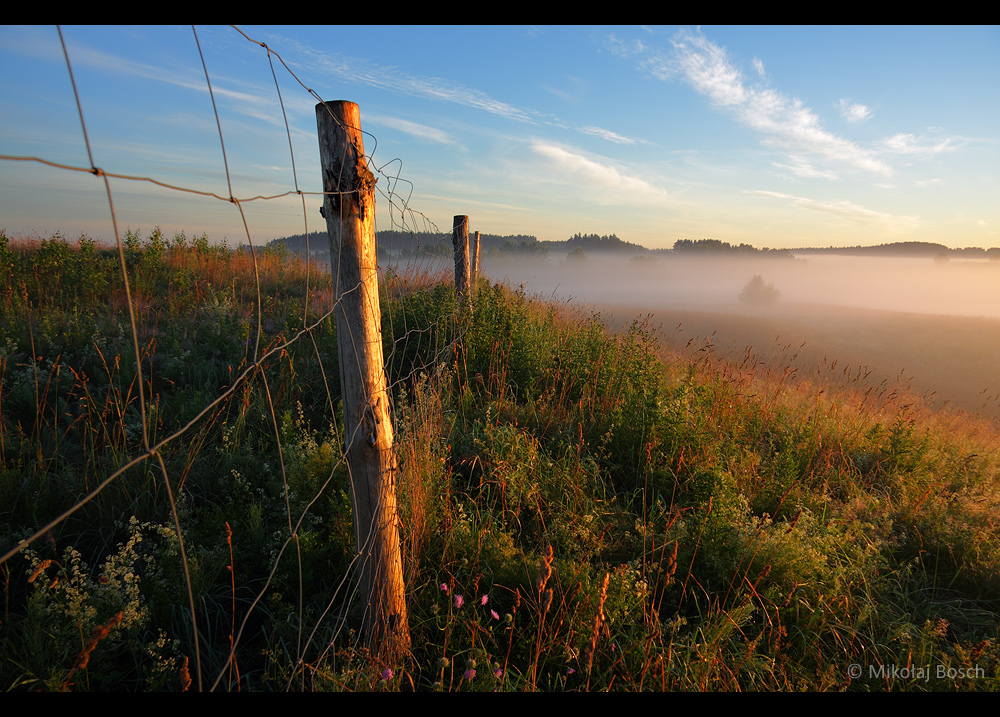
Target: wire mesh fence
[(152, 396)]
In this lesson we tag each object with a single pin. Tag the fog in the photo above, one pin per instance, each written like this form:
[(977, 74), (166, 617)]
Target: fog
[(918, 285), (933, 327)]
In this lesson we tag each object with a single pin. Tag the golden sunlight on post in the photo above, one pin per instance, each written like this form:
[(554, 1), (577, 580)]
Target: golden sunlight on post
[(475, 262), (460, 240), (349, 209)]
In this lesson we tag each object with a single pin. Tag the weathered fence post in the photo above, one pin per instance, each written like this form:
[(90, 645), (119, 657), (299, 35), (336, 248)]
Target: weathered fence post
[(460, 240), (475, 262), (349, 209)]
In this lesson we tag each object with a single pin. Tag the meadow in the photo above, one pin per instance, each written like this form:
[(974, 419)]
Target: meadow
[(920, 325), (582, 508)]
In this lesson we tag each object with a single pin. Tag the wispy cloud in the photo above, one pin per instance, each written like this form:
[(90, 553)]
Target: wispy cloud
[(360, 71), (787, 125), (256, 102), (574, 92), (847, 210), (608, 135), (801, 167), (414, 129), (853, 112), (583, 170), (908, 144), (624, 48)]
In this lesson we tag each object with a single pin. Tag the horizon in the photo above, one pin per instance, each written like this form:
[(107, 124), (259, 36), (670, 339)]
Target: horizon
[(778, 137)]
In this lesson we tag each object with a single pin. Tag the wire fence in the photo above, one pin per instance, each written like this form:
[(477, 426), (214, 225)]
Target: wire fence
[(128, 419)]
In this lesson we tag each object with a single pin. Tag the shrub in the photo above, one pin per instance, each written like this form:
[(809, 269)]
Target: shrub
[(757, 293)]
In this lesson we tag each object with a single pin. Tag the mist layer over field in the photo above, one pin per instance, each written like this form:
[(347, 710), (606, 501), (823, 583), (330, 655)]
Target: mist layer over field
[(915, 285), (932, 327)]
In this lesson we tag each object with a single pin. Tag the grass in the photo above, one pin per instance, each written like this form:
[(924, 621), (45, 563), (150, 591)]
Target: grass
[(581, 510)]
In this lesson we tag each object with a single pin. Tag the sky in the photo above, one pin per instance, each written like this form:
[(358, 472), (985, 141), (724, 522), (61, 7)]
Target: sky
[(773, 136)]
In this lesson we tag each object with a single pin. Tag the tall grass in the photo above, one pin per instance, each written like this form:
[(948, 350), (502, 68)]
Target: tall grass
[(580, 510)]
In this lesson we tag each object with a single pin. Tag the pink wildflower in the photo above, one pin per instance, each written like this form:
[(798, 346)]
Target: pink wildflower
[(483, 599), (387, 674), (494, 614), (444, 587), (470, 674), (459, 602), (498, 673)]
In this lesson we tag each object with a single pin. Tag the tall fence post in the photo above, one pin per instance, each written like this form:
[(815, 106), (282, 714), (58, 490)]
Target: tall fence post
[(349, 209), (460, 240)]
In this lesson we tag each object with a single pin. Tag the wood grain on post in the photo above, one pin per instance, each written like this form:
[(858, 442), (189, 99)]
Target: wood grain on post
[(475, 261), (349, 209), (460, 240)]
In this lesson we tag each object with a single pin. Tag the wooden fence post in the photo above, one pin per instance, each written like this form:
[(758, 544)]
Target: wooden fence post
[(460, 240), (475, 261), (349, 209)]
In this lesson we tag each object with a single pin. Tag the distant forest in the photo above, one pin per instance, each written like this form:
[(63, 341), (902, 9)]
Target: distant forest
[(906, 248), (397, 244), (714, 246), (409, 244), (595, 243)]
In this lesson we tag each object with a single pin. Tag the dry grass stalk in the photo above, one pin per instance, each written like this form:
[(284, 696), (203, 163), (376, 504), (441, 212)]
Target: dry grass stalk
[(671, 566), (598, 622), (185, 675), (546, 571), (98, 634)]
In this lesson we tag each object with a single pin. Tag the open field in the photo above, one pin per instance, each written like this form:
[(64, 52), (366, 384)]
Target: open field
[(949, 361), (910, 322)]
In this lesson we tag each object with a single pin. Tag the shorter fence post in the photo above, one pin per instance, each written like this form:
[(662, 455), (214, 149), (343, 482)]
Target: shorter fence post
[(475, 262), (460, 240)]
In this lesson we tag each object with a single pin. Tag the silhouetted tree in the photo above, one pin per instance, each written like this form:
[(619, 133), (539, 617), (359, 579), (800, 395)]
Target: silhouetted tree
[(759, 293)]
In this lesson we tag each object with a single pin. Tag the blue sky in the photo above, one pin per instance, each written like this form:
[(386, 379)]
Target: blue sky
[(774, 136)]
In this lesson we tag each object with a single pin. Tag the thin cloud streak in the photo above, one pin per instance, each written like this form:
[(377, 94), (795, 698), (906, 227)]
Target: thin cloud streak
[(608, 135), (363, 72), (907, 144), (847, 210), (258, 104), (603, 176), (414, 129), (801, 168)]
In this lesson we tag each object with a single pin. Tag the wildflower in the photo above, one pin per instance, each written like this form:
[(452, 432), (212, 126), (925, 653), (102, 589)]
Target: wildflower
[(470, 674), (483, 599), (494, 614), (387, 674), (444, 587), (570, 670), (459, 602), (498, 673)]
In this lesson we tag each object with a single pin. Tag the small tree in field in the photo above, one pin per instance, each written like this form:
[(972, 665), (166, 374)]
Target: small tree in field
[(757, 293)]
